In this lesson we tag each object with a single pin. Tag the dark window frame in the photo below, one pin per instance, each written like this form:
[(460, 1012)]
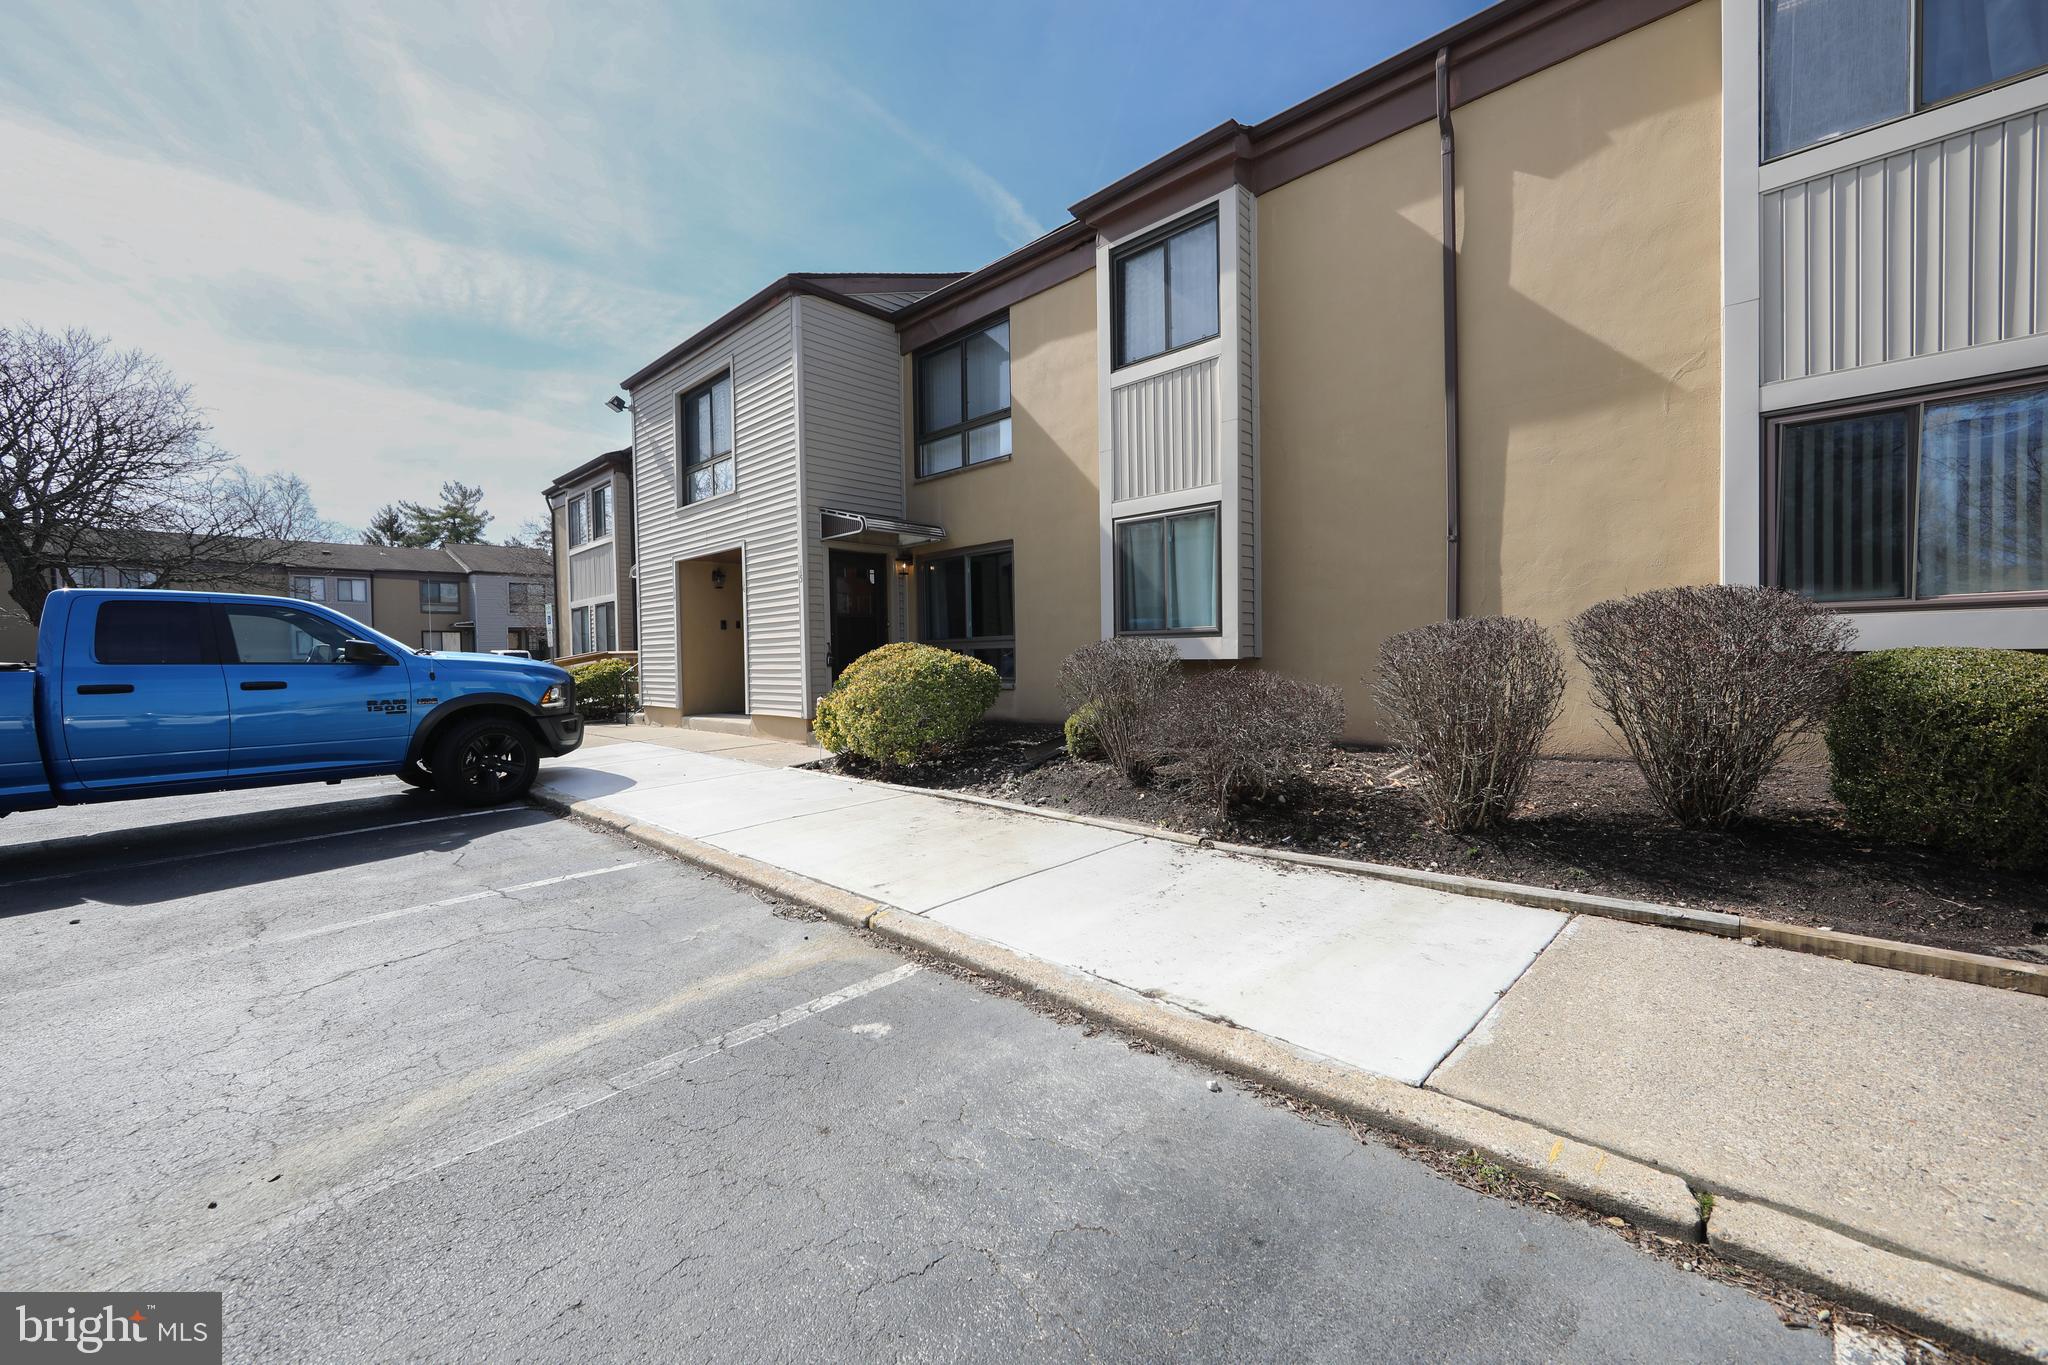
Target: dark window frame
[(686, 440), (435, 606), (1916, 102), (922, 437), (1914, 403), (343, 579), (967, 644), (595, 533), (1212, 509), (1158, 237)]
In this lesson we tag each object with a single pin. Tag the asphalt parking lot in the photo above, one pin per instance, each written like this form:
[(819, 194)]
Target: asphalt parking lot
[(404, 1081)]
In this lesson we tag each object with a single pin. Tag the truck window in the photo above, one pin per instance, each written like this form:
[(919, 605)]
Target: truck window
[(281, 635), (150, 633)]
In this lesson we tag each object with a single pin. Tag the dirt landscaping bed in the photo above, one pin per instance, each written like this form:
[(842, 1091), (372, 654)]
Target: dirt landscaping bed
[(1588, 825)]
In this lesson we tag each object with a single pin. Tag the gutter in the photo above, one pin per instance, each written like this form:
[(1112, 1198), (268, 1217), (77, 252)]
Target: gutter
[(1448, 158)]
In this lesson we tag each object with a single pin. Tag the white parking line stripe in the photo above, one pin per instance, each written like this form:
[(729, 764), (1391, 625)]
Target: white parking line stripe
[(484, 894), (274, 843)]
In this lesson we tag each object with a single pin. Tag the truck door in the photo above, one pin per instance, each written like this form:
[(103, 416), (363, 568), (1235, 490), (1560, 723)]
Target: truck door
[(298, 705), (144, 700)]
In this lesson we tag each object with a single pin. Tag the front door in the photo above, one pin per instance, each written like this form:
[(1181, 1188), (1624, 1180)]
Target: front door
[(860, 606), (298, 704)]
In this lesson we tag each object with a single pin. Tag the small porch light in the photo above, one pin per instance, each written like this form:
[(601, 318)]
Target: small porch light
[(718, 578), (904, 561)]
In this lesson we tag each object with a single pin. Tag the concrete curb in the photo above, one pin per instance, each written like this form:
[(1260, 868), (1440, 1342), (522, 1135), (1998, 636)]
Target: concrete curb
[(1977, 969), (1949, 1303), (1946, 1303)]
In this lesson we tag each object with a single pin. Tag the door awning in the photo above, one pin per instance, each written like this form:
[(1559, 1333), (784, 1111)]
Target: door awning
[(848, 525)]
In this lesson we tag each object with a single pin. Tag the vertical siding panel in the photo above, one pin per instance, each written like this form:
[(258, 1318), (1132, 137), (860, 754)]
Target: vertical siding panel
[(1958, 240), (1820, 277), (1165, 432), (1987, 244), (1901, 195), (1873, 210), (1796, 299), (1848, 270), (1771, 279)]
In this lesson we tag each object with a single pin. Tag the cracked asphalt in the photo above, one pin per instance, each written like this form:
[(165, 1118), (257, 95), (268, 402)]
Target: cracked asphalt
[(410, 1083)]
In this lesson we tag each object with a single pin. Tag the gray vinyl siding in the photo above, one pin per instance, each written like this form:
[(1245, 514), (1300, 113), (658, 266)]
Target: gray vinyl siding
[(853, 438), (492, 600), (760, 517), (1247, 426)]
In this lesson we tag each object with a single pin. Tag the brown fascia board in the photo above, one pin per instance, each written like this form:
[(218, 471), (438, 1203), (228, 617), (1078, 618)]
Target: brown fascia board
[(611, 459), (1489, 51), (837, 288)]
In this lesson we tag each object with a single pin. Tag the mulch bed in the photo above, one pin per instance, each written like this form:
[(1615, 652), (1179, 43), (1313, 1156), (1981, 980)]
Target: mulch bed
[(1587, 825)]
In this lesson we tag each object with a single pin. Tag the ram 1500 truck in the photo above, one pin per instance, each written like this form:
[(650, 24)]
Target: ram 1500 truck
[(156, 693)]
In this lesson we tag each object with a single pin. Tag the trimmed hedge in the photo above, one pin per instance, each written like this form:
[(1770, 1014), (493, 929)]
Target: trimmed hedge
[(904, 702), (1084, 742), (1947, 747), (604, 687)]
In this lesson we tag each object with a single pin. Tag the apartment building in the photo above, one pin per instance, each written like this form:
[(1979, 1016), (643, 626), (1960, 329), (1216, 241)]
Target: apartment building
[(591, 509), (1736, 290), (465, 597)]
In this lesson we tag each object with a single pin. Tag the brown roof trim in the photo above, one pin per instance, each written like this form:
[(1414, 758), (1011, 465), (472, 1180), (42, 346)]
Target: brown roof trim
[(1068, 250), (611, 459), (838, 288)]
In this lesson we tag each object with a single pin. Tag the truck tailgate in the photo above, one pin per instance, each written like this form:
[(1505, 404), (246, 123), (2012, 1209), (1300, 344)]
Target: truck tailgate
[(23, 783)]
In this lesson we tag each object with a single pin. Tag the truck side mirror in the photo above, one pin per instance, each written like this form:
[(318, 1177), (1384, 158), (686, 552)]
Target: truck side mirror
[(363, 652)]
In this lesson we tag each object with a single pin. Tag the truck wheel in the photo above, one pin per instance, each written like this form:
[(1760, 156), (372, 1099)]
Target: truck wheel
[(485, 761), (415, 774)]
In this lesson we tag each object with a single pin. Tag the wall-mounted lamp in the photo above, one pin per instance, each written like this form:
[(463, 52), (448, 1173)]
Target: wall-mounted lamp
[(904, 561), (615, 403), (718, 578)]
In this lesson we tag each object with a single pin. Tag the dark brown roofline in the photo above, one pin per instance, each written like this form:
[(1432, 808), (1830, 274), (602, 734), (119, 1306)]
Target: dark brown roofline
[(611, 459), (1493, 49), (840, 291)]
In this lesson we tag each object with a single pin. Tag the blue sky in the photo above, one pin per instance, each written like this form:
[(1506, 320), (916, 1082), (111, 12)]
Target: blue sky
[(391, 245)]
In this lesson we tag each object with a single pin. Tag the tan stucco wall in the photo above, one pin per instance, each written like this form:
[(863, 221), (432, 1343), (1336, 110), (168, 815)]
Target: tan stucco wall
[(1042, 500), (1351, 413), (1589, 321), (1589, 279), (395, 606), (712, 652)]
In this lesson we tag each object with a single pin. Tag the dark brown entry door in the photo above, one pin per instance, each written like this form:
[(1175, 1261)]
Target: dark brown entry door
[(860, 606)]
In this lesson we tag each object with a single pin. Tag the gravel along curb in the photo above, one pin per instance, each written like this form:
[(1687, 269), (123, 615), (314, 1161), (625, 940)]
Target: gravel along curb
[(1978, 969), (2003, 1322)]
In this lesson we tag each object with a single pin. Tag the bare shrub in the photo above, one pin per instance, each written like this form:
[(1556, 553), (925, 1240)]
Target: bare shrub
[(1125, 680), (1708, 686), (1467, 704), (1238, 732)]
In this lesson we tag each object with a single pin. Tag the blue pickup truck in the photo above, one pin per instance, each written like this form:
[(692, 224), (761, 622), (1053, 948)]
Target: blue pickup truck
[(156, 693)]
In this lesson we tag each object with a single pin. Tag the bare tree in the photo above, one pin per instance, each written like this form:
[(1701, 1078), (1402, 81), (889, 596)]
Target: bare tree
[(538, 532), (104, 460)]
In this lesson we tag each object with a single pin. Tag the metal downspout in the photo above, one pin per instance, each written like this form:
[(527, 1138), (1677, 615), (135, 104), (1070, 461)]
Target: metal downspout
[(1449, 164)]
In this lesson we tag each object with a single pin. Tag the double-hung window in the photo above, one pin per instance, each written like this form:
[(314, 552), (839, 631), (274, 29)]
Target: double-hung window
[(355, 590), (963, 401), (309, 589), (1833, 67), (1940, 497), (967, 602), (579, 520), (1168, 578), (594, 628), (440, 595), (1165, 291), (600, 511), (707, 446)]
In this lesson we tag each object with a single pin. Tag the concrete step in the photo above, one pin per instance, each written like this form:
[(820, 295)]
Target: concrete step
[(720, 724)]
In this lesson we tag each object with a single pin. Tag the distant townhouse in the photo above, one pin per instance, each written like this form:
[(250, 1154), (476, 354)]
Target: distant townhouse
[(466, 597), (1739, 290), (591, 509)]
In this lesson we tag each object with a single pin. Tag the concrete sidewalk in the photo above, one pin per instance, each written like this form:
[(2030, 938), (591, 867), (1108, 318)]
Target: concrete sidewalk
[(1902, 1112)]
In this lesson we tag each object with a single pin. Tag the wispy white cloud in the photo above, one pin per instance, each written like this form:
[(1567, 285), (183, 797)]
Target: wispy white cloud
[(1012, 219)]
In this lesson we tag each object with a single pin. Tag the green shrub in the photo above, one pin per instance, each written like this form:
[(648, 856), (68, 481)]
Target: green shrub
[(604, 687), (1947, 747), (1084, 743), (904, 702)]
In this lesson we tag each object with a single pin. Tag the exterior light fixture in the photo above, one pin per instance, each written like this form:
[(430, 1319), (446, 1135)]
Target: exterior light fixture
[(718, 578), (615, 403), (904, 561)]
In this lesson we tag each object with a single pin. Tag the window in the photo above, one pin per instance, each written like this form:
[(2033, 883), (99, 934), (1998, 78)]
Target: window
[(593, 629), (151, 633), (579, 630), (1833, 67), (966, 602), (1944, 497), (600, 512), (579, 523), (447, 640), (90, 576), (440, 594), (1165, 292), (309, 589), (963, 402), (1167, 574), (284, 635), (523, 597), (707, 440), (351, 589)]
